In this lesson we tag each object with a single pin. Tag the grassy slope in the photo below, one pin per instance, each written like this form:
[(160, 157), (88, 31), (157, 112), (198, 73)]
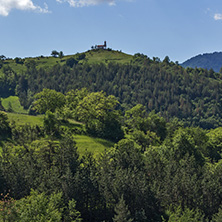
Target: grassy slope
[(84, 143), (15, 104), (22, 119), (92, 56), (97, 56), (92, 145)]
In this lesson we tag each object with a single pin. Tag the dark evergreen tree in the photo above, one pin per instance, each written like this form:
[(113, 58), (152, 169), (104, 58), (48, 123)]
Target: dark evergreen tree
[(122, 214)]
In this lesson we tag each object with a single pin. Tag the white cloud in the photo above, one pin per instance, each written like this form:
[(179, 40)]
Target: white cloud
[(82, 3), (218, 16), (7, 5)]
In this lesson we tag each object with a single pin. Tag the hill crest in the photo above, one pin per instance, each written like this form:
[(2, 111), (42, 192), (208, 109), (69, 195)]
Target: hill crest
[(205, 61), (19, 65)]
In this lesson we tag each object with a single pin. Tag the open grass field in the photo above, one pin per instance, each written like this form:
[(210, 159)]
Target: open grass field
[(90, 144), (105, 56), (13, 103), (22, 119)]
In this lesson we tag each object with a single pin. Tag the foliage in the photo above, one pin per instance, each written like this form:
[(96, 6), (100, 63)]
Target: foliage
[(218, 216), (2, 57), (23, 134), (55, 53), (143, 174), (71, 62), (19, 60), (42, 165), (135, 118), (81, 56), (73, 97), (215, 145), (5, 130), (7, 211), (48, 100), (145, 139), (30, 64), (179, 215), (191, 95), (122, 212), (145, 129), (74, 215), (99, 113), (165, 88), (122, 173), (61, 55), (157, 167), (50, 124), (7, 82), (40, 207)]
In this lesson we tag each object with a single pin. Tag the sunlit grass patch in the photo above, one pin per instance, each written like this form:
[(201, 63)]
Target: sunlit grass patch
[(12, 104), (22, 119), (90, 144)]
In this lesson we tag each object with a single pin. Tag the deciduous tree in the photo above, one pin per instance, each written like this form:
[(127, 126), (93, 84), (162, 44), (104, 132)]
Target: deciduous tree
[(48, 100), (55, 53)]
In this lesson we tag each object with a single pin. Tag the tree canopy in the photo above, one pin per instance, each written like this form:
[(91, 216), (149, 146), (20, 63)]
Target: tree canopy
[(48, 100)]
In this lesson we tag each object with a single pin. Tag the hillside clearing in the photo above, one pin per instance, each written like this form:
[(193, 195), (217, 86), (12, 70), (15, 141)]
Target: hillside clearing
[(22, 119), (12, 103), (92, 145)]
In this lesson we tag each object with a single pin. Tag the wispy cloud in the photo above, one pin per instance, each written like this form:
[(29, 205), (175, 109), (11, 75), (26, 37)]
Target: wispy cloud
[(218, 16), (82, 3), (7, 5)]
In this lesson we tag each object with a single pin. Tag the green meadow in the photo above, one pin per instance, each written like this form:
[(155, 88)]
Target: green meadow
[(22, 119), (93, 145), (12, 104)]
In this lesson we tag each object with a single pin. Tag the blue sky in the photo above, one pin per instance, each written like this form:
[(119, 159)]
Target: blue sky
[(157, 28)]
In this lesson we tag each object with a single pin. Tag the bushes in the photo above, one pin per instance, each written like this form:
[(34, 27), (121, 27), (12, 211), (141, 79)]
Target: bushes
[(5, 130)]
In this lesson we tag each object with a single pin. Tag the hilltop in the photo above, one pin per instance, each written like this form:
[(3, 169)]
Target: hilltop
[(20, 65), (191, 95), (205, 61)]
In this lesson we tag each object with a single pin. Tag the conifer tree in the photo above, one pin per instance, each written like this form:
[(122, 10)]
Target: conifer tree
[(122, 212)]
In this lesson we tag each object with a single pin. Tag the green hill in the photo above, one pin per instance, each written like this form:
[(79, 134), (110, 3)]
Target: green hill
[(205, 61), (157, 170), (191, 95), (106, 56), (19, 65)]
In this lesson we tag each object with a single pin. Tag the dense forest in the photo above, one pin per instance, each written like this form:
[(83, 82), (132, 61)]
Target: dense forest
[(192, 95), (205, 61), (164, 122), (156, 171)]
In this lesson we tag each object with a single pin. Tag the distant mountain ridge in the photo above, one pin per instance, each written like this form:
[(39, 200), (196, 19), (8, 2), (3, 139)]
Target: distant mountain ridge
[(206, 61)]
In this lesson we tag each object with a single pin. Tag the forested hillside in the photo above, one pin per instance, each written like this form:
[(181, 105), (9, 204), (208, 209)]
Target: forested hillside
[(205, 61), (192, 95), (134, 140), (155, 171)]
